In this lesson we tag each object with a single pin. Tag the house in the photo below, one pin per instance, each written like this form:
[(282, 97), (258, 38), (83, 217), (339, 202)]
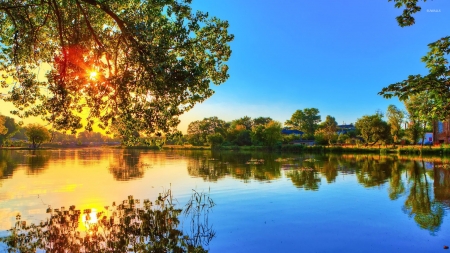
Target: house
[(441, 132), (427, 139), (298, 134), (288, 131), (343, 129)]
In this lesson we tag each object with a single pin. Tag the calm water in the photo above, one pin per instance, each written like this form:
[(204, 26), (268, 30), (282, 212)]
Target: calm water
[(264, 202)]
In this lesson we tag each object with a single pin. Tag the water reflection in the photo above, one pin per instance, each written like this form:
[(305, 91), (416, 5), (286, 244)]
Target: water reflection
[(419, 204), (420, 184), (426, 190), (131, 226), (7, 164), (126, 165), (243, 166), (306, 178)]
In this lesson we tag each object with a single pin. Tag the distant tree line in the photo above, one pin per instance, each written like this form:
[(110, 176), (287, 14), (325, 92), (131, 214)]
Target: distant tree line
[(13, 133), (393, 127)]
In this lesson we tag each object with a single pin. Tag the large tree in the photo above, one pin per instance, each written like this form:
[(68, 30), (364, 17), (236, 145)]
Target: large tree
[(419, 107), (437, 83), (272, 133), (328, 129), (395, 119), (8, 127), (37, 135), (137, 64), (306, 120), (199, 130), (373, 128), (3, 129)]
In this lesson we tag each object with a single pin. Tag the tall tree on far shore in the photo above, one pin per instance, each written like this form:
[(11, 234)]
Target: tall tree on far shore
[(272, 133), (306, 120), (395, 118), (10, 127), (419, 107), (37, 135), (372, 128), (3, 129), (199, 130), (328, 129)]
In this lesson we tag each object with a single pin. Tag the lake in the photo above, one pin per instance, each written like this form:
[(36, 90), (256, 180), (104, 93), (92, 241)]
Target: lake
[(265, 202)]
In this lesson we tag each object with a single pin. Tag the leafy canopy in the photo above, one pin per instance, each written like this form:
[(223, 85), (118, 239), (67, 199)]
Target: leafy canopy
[(437, 83), (134, 64), (306, 120), (373, 128), (37, 135)]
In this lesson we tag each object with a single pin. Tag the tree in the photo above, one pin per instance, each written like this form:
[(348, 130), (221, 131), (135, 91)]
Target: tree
[(140, 63), (3, 129), (261, 121), (436, 83), (419, 107), (37, 134), (395, 119), (306, 121), (328, 128), (238, 134), (199, 130), (257, 135), (9, 128), (272, 133), (215, 139), (373, 128), (245, 121)]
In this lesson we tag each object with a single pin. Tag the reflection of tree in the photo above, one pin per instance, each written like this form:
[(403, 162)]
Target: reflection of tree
[(442, 185), (127, 166), (427, 213), (396, 186), (128, 227), (207, 168), (7, 164), (36, 161), (305, 178), (373, 171), (239, 165), (330, 168)]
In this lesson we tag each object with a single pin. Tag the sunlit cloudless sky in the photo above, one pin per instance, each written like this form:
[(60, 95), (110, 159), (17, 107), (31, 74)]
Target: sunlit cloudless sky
[(332, 55)]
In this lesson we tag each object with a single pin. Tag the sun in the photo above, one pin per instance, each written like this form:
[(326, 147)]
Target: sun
[(93, 75)]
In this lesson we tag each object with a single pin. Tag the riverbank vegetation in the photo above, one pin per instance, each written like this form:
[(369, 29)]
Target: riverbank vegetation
[(129, 226)]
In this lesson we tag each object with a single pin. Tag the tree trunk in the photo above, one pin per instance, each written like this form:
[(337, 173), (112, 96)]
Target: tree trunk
[(423, 134)]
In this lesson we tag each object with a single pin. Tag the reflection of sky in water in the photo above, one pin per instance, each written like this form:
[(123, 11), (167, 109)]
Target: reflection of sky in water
[(284, 203)]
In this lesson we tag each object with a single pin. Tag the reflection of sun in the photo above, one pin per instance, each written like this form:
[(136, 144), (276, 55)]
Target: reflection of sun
[(88, 219)]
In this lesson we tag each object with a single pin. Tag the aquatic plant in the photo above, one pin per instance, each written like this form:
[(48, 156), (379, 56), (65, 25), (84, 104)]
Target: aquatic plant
[(131, 226)]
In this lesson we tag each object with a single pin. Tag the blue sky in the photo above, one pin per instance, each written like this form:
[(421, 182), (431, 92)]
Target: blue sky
[(332, 55)]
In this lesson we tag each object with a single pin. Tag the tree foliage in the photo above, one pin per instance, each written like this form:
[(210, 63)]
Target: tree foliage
[(272, 133), (395, 119), (10, 128), (128, 227), (3, 129), (437, 83), (373, 128), (328, 129), (37, 134), (306, 120), (199, 130), (419, 107), (138, 64)]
